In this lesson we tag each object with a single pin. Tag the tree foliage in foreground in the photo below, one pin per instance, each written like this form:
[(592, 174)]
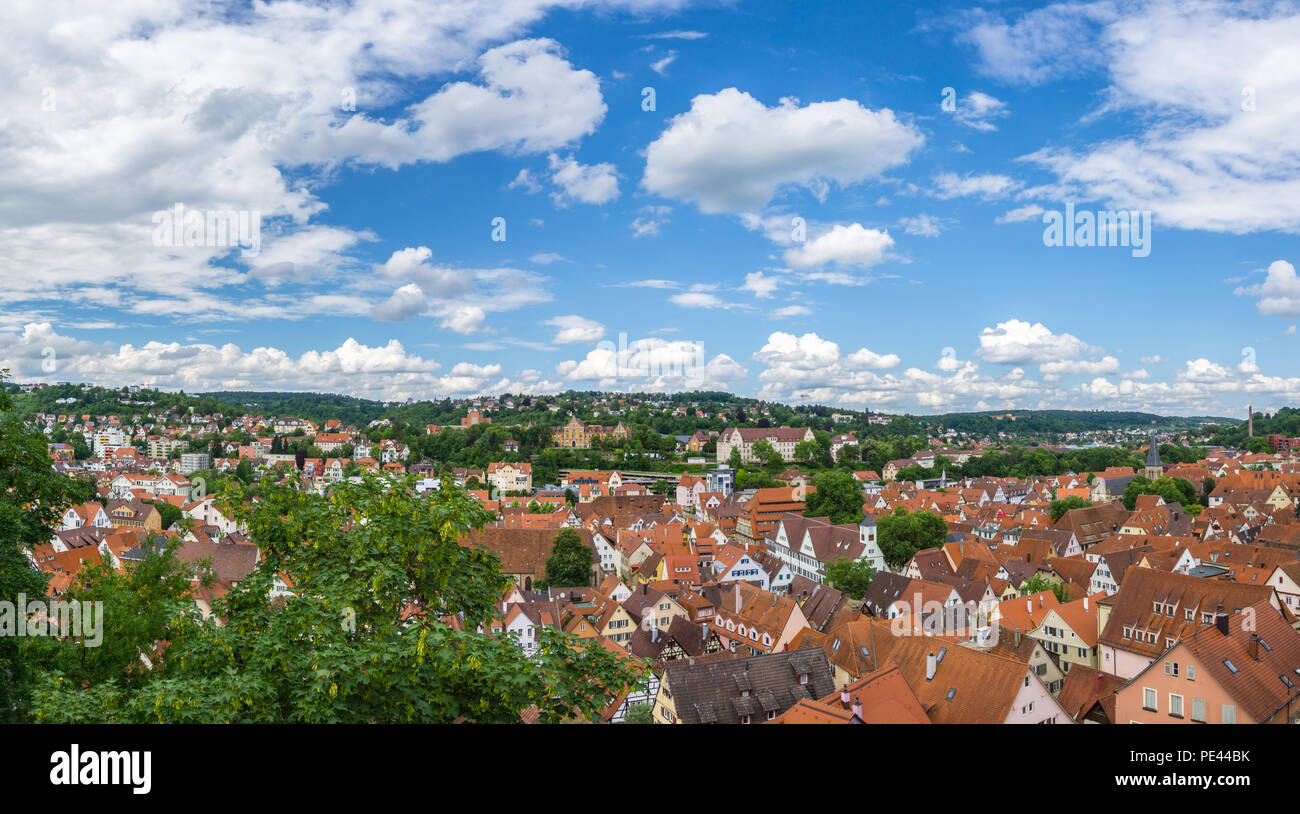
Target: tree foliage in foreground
[(32, 498), (344, 646)]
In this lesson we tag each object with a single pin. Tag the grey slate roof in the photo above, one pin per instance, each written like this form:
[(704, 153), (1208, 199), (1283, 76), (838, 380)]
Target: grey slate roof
[(724, 691)]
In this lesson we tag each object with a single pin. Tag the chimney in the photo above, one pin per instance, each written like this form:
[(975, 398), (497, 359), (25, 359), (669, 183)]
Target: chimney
[(1253, 647), (1085, 604), (931, 666), (1029, 604), (844, 698), (1221, 620), (857, 707)]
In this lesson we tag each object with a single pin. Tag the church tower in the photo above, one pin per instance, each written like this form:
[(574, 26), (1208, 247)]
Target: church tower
[(1153, 469)]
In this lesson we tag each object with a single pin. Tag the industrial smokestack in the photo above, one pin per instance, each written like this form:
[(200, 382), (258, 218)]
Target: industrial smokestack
[(1250, 421)]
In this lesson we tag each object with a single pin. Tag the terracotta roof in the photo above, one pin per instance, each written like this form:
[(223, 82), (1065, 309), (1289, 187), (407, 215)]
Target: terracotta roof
[(968, 687), (1134, 607), (1084, 688), (882, 697), (522, 550), (1261, 677)]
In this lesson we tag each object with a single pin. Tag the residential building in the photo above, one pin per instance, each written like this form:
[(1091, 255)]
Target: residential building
[(749, 690), (782, 439), (1243, 669)]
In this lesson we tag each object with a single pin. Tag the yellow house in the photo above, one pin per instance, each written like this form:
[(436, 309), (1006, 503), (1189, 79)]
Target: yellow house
[(1069, 632), (579, 435), (583, 628), (134, 514), (617, 624), (510, 477), (656, 608), (1278, 498)]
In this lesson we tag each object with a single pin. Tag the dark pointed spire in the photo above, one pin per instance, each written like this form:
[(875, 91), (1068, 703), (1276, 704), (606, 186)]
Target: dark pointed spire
[(1153, 456)]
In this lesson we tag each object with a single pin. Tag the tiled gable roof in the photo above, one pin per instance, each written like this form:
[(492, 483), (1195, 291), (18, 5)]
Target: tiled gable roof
[(723, 691)]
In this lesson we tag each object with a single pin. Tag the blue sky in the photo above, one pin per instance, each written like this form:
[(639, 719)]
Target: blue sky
[(799, 217)]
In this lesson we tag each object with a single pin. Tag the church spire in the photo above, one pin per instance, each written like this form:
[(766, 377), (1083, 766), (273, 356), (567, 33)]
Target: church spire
[(1154, 469)]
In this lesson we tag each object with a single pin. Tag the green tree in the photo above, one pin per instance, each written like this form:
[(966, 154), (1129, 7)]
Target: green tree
[(639, 714), (772, 460), (837, 497), (1173, 490), (361, 638), (570, 562), (1207, 488), (745, 479), (733, 460), (806, 451), (853, 577), (902, 534), (140, 608), (167, 513), (1058, 508), (32, 499), (1258, 445), (1039, 583)]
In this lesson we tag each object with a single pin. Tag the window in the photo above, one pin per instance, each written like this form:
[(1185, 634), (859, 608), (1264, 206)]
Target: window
[(1191, 672), (1175, 705), (1149, 699), (1198, 710), (1229, 714), (1171, 668)]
